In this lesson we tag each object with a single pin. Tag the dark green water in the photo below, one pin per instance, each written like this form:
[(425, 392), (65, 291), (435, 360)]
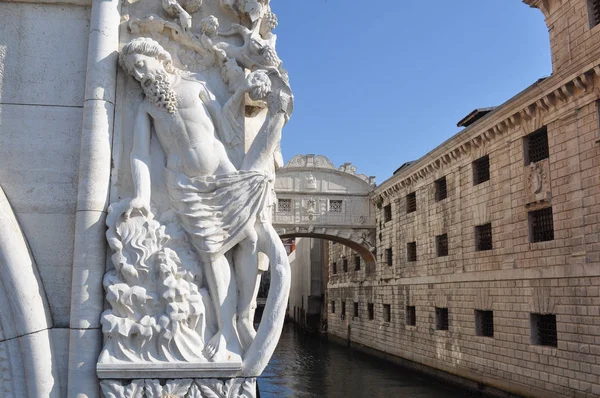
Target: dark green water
[(305, 367)]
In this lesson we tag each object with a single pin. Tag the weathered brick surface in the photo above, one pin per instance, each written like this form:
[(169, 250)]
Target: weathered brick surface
[(517, 277)]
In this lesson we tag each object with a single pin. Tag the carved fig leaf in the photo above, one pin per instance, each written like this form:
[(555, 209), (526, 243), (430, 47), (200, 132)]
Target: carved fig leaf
[(153, 389), (177, 388)]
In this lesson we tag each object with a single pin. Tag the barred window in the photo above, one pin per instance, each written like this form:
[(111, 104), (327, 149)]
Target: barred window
[(441, 242), (411, 315), (543, 329), (483, 237), (411, 202), (345, 264), (484, 323), (387, 313), (355, 310), (335, 206), (411, 251), (284, 205), (333, 268), (441, 190), (387, 213), (441, 318), (541, 225), (389, 256), (594, 12), (357, 263), (343, 316), (481, 170), (371, 311), (333, 307), (536, 146)]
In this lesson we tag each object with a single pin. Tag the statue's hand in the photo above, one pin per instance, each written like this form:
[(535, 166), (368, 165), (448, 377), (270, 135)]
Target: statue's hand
[(139, 205)]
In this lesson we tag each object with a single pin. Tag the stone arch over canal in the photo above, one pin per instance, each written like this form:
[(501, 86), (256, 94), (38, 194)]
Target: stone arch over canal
[(318, 200)]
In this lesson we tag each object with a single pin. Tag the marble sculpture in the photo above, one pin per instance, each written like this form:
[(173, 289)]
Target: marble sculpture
[(183, 288)]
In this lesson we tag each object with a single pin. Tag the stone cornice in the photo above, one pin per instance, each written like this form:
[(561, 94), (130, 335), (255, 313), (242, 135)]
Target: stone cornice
[(547, 7), (534, 102)]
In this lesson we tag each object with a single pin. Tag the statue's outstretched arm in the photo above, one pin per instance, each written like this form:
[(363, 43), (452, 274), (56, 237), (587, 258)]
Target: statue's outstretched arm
[(140, 159)]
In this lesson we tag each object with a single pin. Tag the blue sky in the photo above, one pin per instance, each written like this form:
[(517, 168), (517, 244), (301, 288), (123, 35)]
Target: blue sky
[(381, 82)]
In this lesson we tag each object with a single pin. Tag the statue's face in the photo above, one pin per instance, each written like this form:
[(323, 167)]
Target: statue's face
[(143, 67)]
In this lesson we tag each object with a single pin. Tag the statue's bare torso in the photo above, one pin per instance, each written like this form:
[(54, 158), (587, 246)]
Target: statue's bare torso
[(188, 136)]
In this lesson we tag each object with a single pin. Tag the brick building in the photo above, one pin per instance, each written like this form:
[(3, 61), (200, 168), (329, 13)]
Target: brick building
[(488, 247)]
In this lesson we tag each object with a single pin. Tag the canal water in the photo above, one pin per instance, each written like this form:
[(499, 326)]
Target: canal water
[(305, 367)]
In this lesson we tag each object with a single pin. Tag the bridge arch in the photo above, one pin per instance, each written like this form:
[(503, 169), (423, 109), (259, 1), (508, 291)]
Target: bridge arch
[(318, 200)]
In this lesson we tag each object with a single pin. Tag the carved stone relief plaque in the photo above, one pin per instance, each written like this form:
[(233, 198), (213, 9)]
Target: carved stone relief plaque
[(537, 177), (202, 105)]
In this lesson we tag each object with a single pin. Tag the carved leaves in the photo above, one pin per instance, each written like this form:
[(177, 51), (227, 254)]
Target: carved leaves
[(180, 388)]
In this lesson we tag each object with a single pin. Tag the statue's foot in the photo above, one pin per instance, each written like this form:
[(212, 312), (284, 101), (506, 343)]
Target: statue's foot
[(211, 348), (246, 332)]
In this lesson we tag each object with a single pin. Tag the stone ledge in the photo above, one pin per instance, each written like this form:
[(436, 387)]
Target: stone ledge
[(146, 370)]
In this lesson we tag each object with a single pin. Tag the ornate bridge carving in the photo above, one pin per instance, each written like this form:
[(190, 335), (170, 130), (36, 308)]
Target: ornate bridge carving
[(316, 199)]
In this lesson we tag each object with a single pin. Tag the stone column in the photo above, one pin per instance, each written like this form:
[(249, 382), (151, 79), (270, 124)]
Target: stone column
[(89, 259)]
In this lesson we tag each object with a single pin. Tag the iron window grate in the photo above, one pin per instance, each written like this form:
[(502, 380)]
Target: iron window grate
[(343, 316), (284, 205), (441, 318), (336, 206), (334, 268), (333, 307), (387, 213), (411, 315), (345, 264), (595, 12), (542, 225), (387, 313), (441, 189), (371, 311), (483, 237), (442, 245), (357, 263), (411, 251), (356, 310), (537, 145), (484, 323), (544, 329), (411, 202), (481, 170), (389, 256)]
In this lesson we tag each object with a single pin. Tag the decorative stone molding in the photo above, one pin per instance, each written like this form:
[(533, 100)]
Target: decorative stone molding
[(542, 301), (483, 300), (179, 388), (553, 101), (321, 162)]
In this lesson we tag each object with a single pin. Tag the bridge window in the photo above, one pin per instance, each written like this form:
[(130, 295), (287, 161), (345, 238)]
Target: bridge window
[(387, 313), (484, 323), (343, 310), (411, 202), (536, 146), (356, 310), (441, 242), (387, 213), (543, 329), (411, 315), (389, 256), (483, 237), (333, 307), (334, 268), (441, 318), (371, 311), (357, 263), (284, 205), (345, 264), (481, 170), (541, 225), (411, 251), (441, 189), (336, 206), (594, 12)]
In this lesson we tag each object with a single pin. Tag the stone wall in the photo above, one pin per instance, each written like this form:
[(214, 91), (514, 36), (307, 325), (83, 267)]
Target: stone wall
[(525, 278)]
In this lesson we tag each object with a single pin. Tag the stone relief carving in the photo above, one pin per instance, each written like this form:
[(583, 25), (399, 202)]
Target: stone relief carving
[(179, 388), (320, 161), (183, 286), (538, 183)]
